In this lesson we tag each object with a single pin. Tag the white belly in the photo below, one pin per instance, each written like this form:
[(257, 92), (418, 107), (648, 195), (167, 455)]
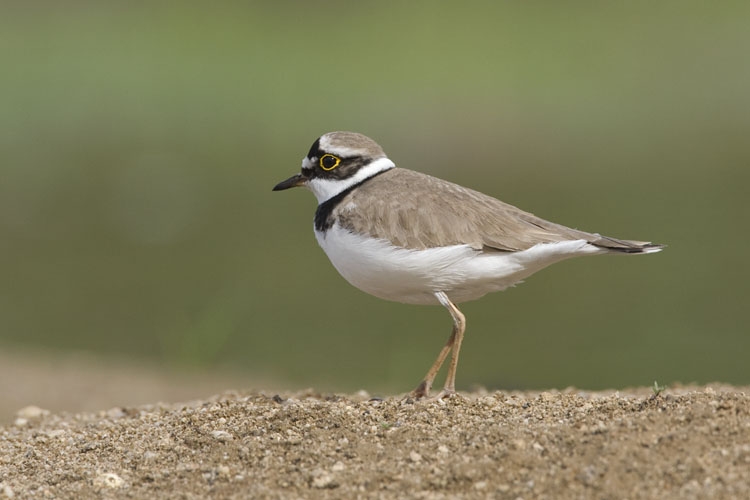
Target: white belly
[(413, 276)]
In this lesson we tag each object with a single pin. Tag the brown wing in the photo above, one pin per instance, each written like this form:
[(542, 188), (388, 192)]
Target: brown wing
[(426, 212)]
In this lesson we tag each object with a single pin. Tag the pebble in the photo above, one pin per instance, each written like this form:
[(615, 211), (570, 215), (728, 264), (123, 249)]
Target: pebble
[(115, 413), (222, 436), (109, 480), (324, 480), (30, 412), (547, 396), (6, 491), (363, 394)]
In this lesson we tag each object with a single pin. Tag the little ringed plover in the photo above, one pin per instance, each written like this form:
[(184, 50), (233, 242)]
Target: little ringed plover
[(408, 237)]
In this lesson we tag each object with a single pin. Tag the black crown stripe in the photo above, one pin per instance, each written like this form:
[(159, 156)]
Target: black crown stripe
[(314, 149)]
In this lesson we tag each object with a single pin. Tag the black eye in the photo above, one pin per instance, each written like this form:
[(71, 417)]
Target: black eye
[(329, 162)]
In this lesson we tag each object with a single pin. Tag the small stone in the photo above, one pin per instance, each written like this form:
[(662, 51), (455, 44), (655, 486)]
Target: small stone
[(415, 457), (363, 394), (324, 480), (488, 400), (338, 466), (115, 413), (109, 480), (6, 491), (222, 436), (519, 444), (29, 412), (443, 449), (480, 485)]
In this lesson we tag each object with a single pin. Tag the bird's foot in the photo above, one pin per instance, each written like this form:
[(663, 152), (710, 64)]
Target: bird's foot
[(447, 394), (422, 390)]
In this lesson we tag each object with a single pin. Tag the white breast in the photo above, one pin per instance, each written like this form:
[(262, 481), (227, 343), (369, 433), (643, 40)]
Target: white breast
[(413, 276)]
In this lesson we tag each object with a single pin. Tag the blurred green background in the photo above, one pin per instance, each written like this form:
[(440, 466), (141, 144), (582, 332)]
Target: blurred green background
[(139, 142)]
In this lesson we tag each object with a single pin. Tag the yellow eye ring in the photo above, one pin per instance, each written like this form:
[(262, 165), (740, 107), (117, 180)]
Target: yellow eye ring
[(329, 162)]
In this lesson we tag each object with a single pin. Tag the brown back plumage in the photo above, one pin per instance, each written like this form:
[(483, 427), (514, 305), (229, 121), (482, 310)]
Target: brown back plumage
[(427, 212)]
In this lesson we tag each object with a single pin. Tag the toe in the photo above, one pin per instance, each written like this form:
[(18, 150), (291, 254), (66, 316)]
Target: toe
[(446, 394), (422, 390)]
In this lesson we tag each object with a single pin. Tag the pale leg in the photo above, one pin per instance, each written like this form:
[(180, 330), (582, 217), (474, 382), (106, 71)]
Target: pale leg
[(454, 343)]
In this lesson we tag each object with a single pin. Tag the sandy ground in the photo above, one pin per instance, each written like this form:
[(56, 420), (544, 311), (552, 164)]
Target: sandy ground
[(79, 382), (689, 442)]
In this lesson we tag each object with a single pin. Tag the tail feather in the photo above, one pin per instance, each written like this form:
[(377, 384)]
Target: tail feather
[(626, 246)]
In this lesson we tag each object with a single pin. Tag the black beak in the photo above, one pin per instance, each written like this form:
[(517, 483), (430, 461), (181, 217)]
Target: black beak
[(293, 181)]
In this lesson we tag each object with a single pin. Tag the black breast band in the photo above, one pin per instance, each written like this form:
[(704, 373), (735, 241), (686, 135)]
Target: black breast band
[(324, 213)]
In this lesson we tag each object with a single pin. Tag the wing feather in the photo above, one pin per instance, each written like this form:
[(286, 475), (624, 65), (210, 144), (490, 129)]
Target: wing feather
[(426, 212)]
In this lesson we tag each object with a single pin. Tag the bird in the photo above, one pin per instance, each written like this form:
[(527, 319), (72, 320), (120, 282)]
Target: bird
[(408, 237)]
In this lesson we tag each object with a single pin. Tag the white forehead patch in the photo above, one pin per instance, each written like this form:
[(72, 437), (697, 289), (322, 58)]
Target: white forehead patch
[(325, 189), (307, 163)]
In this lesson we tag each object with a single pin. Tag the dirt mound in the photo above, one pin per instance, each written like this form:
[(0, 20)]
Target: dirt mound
[(691, 442)]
